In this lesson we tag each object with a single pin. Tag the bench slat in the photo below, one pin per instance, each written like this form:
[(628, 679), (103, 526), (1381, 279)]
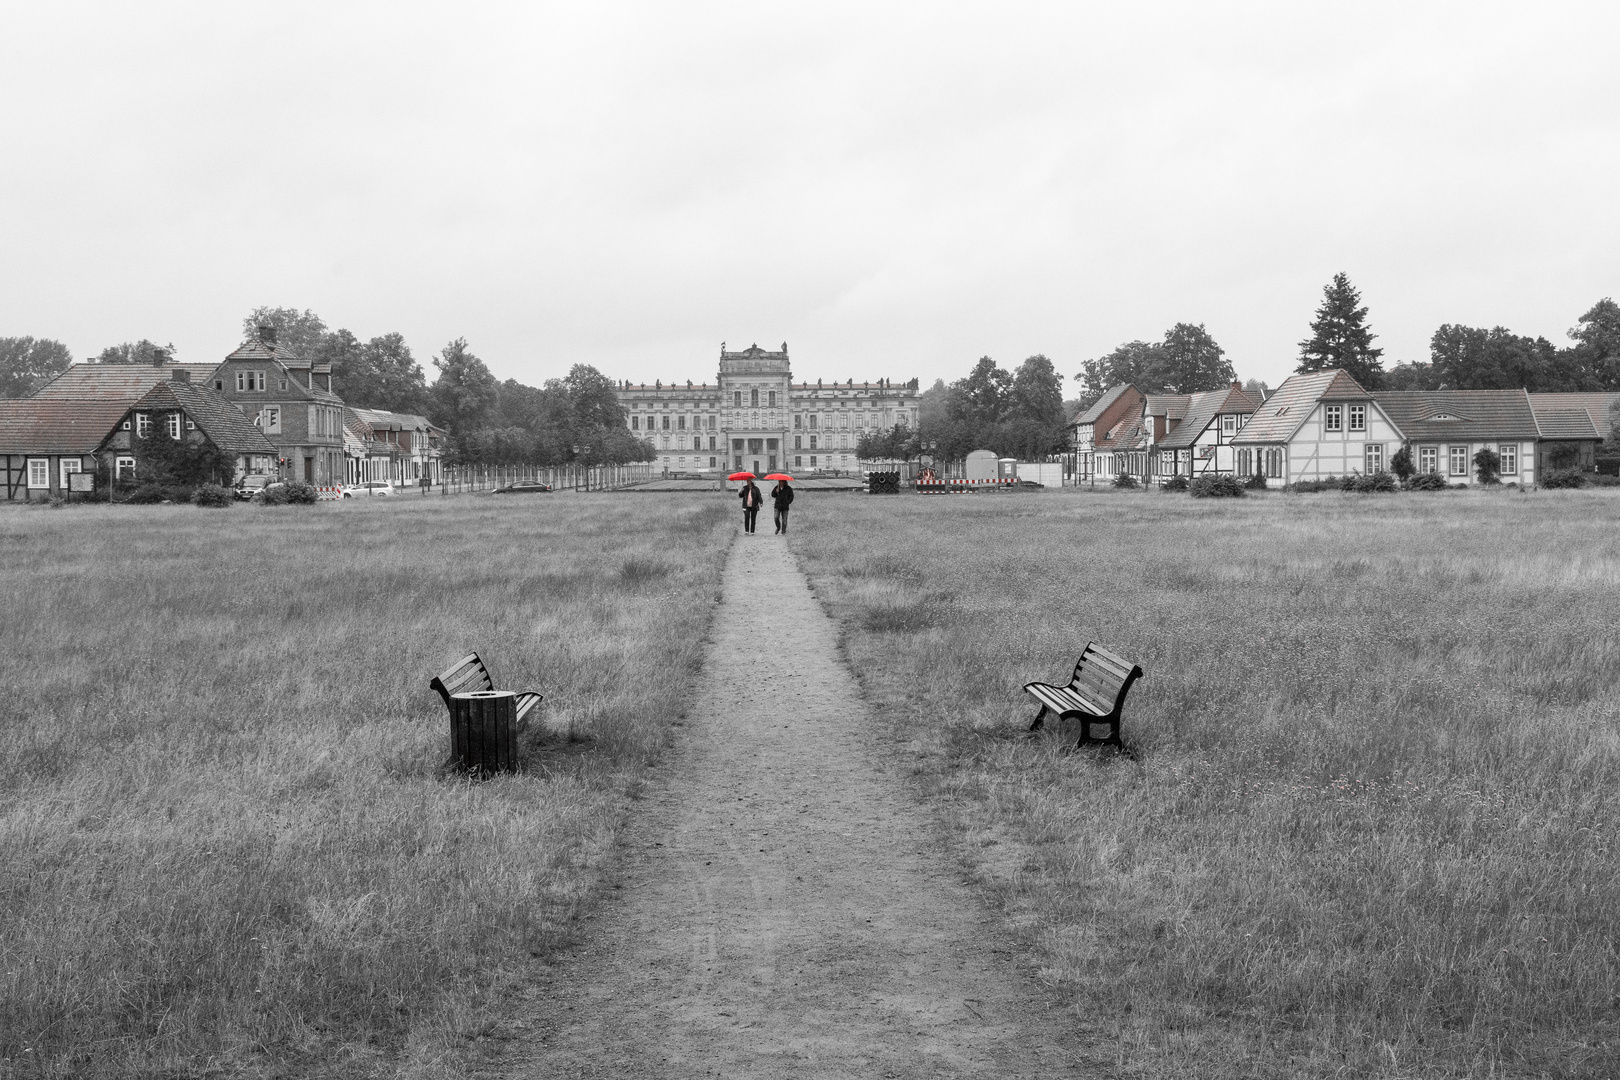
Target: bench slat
[(1108, 663)]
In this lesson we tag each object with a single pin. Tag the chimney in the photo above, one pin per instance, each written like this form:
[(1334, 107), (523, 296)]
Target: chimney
[(180, 375), (160, 357), (267, 334), (1236, 385)]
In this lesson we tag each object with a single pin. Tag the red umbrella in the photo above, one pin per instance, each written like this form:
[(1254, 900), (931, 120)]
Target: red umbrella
[(741, 476), (779, 476)]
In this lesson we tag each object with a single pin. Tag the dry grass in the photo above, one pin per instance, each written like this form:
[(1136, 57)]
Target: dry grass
[(1369, 825), (223, 846)]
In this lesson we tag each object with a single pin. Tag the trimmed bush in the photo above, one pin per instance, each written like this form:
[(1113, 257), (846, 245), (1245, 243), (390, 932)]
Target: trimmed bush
[(272, 495), (1564, 478), (146, 495), (1488, 467), (1257, 482), (1217, 487), (1427, 482), (1378, 481), (1401, 463), (1311, 487), (1176, 483), (1125, 480), (301, 493), (214, 496)]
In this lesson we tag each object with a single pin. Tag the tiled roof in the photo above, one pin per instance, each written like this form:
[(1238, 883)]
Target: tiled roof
[(56, 425), (1204, 407), (1102, 404), (895, 388), (1169, 406), (215, 417), (116, 382), (1476, 415), (1599, 406), (1565, 423), (383, 420), (353, 422), (1129, 434), (254, 349), (1289, 407)]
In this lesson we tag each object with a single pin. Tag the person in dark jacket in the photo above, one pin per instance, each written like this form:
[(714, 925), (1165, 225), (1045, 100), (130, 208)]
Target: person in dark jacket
[(751, 499), (782, 497)]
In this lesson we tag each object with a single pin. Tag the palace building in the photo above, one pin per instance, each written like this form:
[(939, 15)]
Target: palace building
[(755, 417)]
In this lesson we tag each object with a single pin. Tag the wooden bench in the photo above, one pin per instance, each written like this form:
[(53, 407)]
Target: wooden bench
[(469, 674), (1095, 694)]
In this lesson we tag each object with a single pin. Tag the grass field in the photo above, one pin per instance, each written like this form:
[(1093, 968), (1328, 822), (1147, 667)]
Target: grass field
[(223, 846), (1369, 824)]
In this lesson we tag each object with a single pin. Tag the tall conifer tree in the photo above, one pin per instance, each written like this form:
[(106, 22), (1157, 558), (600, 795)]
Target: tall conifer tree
[(1340, 338)]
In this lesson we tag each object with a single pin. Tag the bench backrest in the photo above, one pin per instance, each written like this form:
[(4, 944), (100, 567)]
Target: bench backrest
[(467, 674), (1104, 676)]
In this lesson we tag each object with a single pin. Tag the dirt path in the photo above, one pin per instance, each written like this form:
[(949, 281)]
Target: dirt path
[(785, 907)]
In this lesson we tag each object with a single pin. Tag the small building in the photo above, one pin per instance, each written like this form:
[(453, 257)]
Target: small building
[(44, 442), (1569, 437), (1317, 424), (184, 411), (291, 401), (403, 448)]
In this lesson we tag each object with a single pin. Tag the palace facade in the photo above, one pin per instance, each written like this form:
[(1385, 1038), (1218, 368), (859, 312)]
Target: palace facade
[(755, 417)]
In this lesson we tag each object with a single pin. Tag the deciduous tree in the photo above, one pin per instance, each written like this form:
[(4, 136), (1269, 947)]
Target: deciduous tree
[(133, 352), (28, 363)]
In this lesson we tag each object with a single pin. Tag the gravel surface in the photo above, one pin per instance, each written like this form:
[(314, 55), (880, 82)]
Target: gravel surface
[(786, 907)]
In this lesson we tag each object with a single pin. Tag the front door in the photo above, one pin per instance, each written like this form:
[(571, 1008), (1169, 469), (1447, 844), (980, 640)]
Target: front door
[(309, 470)]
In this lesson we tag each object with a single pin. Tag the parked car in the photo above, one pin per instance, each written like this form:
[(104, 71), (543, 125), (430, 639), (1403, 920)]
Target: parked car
[(258, 492), (520, 487), (370, 487), (252, 485)]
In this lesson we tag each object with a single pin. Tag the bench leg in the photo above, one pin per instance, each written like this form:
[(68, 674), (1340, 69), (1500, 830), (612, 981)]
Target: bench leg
[(1113, 738), (1036, 726)]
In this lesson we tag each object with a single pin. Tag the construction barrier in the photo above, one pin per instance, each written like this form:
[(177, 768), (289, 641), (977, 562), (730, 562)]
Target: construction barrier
[(327, 494), (963, 487)]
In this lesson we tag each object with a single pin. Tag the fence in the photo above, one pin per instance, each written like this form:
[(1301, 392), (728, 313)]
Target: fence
[(460, 479), (962, 487)]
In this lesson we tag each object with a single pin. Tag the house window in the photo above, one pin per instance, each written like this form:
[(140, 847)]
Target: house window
[(1245, 463), (1229, 425), (174, 425), (251, 381), (142, 424), (1333, 417), (1428, 459), (39, 473), (1358, 418), (1459, 461), (1374, 453), (124, 425), (69, 466), (282, 382), (1509, 453), (124, 468), (1274, 463)]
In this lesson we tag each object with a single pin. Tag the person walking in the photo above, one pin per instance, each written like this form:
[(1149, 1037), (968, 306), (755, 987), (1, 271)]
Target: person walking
[(782, 498), (751, 500)]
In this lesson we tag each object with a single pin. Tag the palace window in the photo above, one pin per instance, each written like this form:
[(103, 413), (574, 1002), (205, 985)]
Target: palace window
[(756, 446), (1428, 459), (798, 442), (772, 402), (680, 423), (753, 399), (737, 462), (711, 460), (1374, 455), (174, 425), (1358, 418), (798, 421), (812, 461), (39, 472), (1459, 461), (1333, 417), (635, 423), (665, 420), (736, 399), (770, 444), (1509, 453), (812, 442)]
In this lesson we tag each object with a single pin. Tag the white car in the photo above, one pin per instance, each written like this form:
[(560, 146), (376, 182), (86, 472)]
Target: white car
[(370, 487)]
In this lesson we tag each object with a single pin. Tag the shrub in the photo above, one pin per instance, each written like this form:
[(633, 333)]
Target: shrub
[(272, 495), (1488, 466), (213, 495), (301, 493), (1176, 483), (1426, 482), (1564, 478), (1125, 480), (1311, 487), (1378, 481), (1217, 487), (1401, 464), (1601, 480), (1257, 482), (147, 494), (177, 493), (1348, 482)]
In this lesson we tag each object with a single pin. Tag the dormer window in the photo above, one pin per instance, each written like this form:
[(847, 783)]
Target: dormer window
[(142, 424), (1333, 417), (249, 381), (173, 423), (1358, 418)]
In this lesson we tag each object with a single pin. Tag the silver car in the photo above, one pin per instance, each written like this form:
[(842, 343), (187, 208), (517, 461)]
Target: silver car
[(370, 487)]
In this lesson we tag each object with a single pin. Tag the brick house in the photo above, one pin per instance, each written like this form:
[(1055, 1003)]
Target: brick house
[(403, 447), (44, 442), (183, 410), (290, 400), (1097, 429)]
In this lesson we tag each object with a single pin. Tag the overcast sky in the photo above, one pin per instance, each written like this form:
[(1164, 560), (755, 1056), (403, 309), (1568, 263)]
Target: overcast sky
[(894, 189)]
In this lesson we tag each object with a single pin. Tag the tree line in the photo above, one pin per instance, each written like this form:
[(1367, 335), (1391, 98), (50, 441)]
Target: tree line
[(1015, 414)]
